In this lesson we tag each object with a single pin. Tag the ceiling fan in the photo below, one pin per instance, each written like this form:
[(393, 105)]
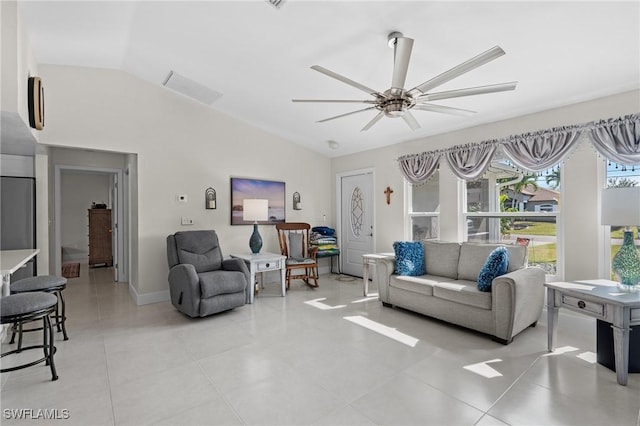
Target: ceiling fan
[(398, 101)]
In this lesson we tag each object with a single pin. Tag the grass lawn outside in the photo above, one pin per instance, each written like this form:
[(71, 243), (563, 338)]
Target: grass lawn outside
[(533, 228)]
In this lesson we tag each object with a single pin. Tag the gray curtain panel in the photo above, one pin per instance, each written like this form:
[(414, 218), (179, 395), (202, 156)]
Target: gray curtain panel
[(469, 162), (418, 168), (542, 150), (618, 139)]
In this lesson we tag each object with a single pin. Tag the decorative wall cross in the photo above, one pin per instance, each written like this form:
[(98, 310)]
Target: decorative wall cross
[(388, 193)]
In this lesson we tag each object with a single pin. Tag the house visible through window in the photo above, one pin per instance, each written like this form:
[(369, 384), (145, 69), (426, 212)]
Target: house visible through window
[(515, 207)]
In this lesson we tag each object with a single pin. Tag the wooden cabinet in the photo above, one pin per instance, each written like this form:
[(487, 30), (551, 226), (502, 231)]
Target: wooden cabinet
[(100, 237)]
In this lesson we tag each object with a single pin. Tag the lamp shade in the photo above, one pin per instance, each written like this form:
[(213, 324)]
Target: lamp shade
[(254, 209), (621, 206)]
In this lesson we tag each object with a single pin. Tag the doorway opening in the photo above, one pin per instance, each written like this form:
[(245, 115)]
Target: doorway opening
[(78, 191)]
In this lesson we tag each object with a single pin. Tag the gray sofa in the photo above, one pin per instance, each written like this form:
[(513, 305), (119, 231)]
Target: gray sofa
[(201, 282), (449, 291)]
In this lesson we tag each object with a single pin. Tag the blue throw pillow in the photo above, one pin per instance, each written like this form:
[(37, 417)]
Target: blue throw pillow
[(496, 265), (409, 258)]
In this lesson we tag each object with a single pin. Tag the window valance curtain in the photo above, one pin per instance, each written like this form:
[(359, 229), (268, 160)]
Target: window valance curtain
[(539, 151), (469, 162), (617, 140), (419, 168)]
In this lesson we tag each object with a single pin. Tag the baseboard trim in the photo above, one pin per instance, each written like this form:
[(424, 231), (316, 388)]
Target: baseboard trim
[(149, 298)]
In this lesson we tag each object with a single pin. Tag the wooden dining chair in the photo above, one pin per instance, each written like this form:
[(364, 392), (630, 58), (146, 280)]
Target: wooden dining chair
[(301, 263)]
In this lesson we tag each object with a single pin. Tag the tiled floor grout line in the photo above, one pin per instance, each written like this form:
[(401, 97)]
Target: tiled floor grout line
[(515, 381)]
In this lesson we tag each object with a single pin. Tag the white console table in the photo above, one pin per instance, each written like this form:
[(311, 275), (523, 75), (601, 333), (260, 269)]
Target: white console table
[(10, 262), (263, 262)]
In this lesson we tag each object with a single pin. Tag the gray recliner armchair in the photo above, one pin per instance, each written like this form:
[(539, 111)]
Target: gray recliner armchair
[(201, 282)]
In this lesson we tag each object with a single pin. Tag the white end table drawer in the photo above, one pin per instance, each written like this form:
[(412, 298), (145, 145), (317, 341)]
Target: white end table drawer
[(268, 265), (593, 308)]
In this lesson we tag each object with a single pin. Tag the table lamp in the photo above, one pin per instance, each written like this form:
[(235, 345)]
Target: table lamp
[(621, 207), (254, 209)]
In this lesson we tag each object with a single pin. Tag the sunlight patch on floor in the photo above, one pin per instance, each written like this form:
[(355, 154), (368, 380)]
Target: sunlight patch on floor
[(316, 303), (590, 357), (484, 369), (366, 299), (392, 333), (562, 350)]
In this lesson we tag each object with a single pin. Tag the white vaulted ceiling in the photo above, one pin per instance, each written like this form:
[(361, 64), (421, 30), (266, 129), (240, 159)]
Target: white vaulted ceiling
[(258, 56)]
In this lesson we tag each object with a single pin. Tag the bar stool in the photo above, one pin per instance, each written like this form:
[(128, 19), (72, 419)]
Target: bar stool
[(47, 284), (26, 307)]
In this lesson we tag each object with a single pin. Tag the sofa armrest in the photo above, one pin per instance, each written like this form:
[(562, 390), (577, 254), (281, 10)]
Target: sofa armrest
[(384, 269), (235, 264), (517, 299), (184, 288)]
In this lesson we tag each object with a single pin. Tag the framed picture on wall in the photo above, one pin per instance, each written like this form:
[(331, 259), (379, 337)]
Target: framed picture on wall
[(244, 188)]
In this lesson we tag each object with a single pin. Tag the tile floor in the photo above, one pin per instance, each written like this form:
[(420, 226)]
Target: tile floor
[(284, 361)]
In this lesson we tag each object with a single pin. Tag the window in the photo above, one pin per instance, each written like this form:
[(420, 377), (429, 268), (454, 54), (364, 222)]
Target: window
[(620, 177), (424, 207), (514, 207)]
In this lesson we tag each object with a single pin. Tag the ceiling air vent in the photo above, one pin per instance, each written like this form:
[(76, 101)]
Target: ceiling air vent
[(276, 3), (190, 88)]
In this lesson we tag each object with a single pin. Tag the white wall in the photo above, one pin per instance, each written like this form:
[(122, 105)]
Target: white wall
[(583, 230), (17, 165), (182, 147), (18, 63)]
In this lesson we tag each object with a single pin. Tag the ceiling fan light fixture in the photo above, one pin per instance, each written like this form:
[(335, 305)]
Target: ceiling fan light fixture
[(392, 37), (397, 101)]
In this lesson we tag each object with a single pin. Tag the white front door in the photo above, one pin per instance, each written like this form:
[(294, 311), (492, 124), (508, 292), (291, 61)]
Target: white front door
[(115, 232), (356, 220)]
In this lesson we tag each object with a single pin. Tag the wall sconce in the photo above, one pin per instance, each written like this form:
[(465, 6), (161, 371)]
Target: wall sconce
[(210, 198), (296, 201)]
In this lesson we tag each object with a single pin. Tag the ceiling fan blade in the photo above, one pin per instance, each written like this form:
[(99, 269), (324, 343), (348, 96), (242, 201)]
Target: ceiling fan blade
[(344, 115), (347, 81), (410, 120), (373, 121), (473, 63), (401, 57), (443, 109), (470, 91), (339, 101)]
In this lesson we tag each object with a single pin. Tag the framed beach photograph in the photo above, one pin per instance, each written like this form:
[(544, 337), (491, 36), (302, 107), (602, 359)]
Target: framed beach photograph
[(245, 188)]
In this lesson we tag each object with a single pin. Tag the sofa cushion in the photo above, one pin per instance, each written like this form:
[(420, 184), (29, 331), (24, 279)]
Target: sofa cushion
[(464, 292), (409, 258), (219, 282), (422, 284), (474, 255), (441, 258), (496, 265)]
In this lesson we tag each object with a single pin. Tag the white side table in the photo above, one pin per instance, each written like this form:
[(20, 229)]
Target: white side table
[(599, 299), (369, 260), (263, 262)]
